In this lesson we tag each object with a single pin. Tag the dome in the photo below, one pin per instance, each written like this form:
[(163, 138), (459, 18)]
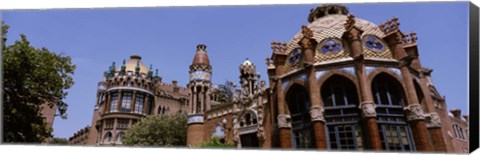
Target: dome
[(201, 56), (247, 62), (328, 27), (131, 64)]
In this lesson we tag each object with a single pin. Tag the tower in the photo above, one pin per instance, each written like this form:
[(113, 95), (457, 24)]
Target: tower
[(199, 90)]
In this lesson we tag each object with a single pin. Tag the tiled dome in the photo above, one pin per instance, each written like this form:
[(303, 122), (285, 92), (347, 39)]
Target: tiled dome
[(131, 64)]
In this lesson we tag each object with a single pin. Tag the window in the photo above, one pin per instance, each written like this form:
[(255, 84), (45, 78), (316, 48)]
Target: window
[(122, 123), (458, 131), (299, 106), (344, 130), (139, 100), (126, 102), (119, 137), (108, 137), (109, 123), (395, 134), (149, 106), (114, 102)]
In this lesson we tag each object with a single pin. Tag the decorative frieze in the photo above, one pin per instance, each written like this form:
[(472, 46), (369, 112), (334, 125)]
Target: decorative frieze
[(284, 121), (195, 119), (316, 113), (414, 112), (433, 120), (368, 109)]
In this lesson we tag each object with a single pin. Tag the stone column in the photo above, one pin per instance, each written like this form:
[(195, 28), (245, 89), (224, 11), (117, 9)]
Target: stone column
[(119, 102), (367, 106), (284, 120), (132, 103), (413, 109), (106, 107), (308, 45), (145, 105)]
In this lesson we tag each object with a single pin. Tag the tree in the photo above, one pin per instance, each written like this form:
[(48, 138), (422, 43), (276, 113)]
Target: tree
[(216, 142), (32, 77), (59, 141), (158, 130)]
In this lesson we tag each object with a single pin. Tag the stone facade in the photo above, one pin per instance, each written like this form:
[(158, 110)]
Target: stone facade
[(129, 93), (80, 137)]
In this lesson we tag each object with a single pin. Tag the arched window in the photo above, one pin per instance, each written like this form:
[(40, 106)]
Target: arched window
[(126, 102), (159, 110), (119, 137), (108, 137), (139, 100), (114, 102), (299, 106), (420, 96), (342, 116), (394, 131)]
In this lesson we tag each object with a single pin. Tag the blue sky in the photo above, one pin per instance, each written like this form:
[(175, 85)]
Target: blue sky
[(167, 37)]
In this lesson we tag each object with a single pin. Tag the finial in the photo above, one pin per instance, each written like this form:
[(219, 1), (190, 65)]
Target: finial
[(307, 33), (123, 66), (279, 47), (201, 47), (156, 72), (137, 69), (268, 61), (350, 22)]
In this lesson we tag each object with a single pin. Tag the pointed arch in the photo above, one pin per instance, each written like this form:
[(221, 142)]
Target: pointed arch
[(343, 124), (389, 97), (342, 73), (298, 103)]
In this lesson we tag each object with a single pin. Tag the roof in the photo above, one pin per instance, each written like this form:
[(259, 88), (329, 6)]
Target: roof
[(131, 64)]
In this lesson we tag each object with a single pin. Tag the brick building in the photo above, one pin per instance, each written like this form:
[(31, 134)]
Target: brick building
[(80, 137), (341, 83)]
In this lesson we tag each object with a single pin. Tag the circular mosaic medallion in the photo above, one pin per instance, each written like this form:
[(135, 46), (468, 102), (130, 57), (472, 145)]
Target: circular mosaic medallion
[(330, 46), (295, 57), (373, 43)]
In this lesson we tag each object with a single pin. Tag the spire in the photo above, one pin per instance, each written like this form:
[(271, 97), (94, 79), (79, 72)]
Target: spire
[(201, 56), (150, 72), (123, 66), (137, 68), (156, 72)]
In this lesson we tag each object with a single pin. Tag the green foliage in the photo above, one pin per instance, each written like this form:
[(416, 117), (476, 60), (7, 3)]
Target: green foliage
[(32, 77), (216, 142), (159, 130), (60, 141), (225, 92)]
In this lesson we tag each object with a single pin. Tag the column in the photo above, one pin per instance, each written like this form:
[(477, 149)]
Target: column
[(367, 106), (308, 45), (284, 120), (413, 109), (119, 102)]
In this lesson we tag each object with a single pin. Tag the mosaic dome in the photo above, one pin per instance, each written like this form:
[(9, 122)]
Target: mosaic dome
[(327, 23), (131, 64)]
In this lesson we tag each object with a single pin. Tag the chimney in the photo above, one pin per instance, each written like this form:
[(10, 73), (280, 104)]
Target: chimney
[(175, 87), (456, 112), (466, 117)]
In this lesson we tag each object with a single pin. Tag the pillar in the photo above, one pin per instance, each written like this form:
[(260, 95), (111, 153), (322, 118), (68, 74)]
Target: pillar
[(308, 45), (367, 106), (413, 109)]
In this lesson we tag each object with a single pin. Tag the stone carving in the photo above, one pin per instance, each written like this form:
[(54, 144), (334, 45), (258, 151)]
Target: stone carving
[(284, 121), (236, 125), (433, 120), (316, 113), (368, 109), (414, 112)]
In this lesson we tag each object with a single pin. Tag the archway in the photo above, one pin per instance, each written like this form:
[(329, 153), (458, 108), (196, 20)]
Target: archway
[(299, 106), (342, 115)]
